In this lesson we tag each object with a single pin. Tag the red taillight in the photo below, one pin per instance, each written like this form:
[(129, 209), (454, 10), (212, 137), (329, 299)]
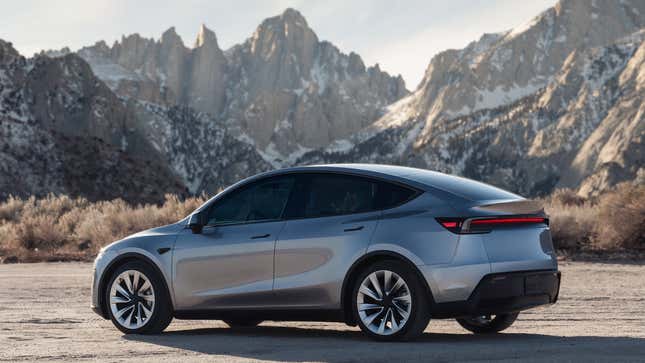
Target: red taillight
[(484, 224), (449, 224), (509, 220)]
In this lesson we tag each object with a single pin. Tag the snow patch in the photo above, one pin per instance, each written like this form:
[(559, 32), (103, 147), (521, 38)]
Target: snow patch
[(501, 95)]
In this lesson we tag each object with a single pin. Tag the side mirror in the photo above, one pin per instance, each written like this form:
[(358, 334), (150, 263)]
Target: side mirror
[(196, 223)]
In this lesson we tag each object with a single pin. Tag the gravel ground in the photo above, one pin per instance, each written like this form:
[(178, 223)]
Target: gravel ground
[(45, 316)]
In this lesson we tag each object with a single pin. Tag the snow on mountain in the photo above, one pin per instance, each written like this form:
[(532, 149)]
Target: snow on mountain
[(56, 128), (519, 109)]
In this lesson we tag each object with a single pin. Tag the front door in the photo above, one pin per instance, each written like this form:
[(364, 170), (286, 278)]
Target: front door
[(230, 264)]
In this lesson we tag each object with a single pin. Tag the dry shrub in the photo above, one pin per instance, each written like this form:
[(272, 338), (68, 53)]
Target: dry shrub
[(36, 232), (621, 218), (567, 197), (615, 221), (12, 207), (59, 225), (572, 227)]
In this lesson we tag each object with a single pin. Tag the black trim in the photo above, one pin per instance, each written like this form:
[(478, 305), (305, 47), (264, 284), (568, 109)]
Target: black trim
[(504, 293), (295, 314), (163, 250)]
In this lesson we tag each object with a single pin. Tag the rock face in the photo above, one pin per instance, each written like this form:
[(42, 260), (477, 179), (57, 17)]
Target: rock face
[(504, 67), (555, 103), (59, 133), (64, 131), (199, 150), (282, 90)]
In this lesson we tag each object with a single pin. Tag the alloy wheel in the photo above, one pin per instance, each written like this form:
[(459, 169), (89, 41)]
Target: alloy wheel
[(132, 299), (384, 302)]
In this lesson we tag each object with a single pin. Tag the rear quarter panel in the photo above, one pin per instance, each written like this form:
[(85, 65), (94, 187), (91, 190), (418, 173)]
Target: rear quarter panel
[(411, 230)]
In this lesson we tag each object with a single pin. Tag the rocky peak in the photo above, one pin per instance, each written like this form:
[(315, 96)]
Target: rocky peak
[(205, 37), (293, 16), (282, 90), (285, 34), (501, 68), (171, 38), (208, 65), (7, 52)]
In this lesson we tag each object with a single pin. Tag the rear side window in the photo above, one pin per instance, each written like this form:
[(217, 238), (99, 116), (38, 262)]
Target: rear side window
[(330, 195), (391, 195)]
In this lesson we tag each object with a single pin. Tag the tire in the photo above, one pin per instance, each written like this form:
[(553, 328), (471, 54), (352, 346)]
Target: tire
[(151, 310), (239, 323), (488, 324), (391, 324)]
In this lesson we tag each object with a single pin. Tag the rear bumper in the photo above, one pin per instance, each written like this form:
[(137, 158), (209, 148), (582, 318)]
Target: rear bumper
[(503, 293)]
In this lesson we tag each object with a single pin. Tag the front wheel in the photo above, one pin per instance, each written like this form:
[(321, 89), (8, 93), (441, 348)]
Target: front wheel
[(137, 299), (487, 324), (390, 302)]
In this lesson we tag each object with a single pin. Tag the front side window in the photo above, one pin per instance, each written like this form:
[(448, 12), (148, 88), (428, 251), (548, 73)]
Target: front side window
[(331, 195), (260, 201)]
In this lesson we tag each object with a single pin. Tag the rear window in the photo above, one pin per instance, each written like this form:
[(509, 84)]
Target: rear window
[(466, 188)]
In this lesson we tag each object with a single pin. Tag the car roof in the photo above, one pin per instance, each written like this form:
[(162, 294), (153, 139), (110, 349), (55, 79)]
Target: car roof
[(442, 185), (420, 178)]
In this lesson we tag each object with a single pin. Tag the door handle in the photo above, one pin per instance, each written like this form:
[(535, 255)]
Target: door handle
[(352, 229), (261, 236)]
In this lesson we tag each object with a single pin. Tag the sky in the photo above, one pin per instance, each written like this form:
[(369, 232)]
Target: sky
[(402, 36)]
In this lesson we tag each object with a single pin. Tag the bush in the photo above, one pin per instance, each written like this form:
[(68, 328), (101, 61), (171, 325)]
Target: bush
[(621, 222), (59, 225), (614, 221)]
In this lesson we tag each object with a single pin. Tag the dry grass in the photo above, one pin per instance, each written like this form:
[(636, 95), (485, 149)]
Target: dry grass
[(614, 221), (60, 227), (64, 228)]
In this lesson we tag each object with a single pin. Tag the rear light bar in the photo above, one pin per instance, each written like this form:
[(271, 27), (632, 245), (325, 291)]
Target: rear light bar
[(484, 224), (507, 220)]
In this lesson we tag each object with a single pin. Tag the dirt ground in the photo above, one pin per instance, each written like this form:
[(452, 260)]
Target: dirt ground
[(45, 316)]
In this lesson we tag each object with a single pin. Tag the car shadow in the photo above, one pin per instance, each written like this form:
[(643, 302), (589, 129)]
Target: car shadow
[(294, 344)]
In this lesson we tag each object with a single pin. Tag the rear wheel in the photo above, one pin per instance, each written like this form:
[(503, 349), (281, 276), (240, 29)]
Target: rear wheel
[(242, 323), (137, 299), (390, 302), (487, 324)]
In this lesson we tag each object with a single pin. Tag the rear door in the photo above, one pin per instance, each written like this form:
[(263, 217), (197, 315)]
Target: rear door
[(331, 219)]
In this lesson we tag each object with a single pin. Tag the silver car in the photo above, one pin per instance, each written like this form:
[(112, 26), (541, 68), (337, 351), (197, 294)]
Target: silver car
[(383, 247)]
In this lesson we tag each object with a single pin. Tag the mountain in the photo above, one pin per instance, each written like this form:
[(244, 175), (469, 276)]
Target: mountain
[(282, 90), (198, 117), (557, 102), (59, 131)]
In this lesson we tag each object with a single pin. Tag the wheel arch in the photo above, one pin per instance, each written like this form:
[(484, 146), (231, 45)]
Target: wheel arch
[(363, 262), (118, 262)]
